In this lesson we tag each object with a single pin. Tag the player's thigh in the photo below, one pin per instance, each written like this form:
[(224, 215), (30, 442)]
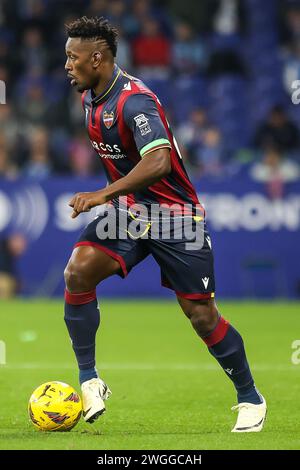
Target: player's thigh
[(189, 273), (87, 267), (187, 266)]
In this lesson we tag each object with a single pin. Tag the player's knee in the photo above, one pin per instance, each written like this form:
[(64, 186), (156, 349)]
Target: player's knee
[(76, 278), (203, 316)]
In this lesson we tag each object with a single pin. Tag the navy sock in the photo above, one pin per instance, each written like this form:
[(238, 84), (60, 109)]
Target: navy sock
[(227, 347), (82, 318), (87, 374), (252, 396)]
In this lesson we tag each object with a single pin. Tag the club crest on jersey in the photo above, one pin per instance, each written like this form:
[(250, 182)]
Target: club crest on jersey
[(108, 119)]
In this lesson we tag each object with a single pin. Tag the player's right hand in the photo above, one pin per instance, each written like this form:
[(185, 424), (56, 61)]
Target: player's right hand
[(83, 202)]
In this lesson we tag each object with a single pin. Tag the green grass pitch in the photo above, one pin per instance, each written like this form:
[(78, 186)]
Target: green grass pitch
[(168, 391)]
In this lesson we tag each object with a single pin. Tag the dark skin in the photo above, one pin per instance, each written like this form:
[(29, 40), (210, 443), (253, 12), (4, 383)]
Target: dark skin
[(90, 65)]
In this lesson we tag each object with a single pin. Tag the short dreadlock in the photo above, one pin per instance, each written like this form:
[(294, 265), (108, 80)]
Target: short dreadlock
[(93, 29)]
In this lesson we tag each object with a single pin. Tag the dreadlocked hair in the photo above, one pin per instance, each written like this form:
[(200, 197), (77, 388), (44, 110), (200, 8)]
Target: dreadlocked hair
[(93, 29)]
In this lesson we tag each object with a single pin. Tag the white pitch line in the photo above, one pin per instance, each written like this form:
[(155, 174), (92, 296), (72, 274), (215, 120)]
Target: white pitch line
[(147, 366)]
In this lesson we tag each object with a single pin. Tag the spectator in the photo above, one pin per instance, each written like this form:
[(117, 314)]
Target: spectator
[(6, 58), (275, 171), (210, 157), (191, 134), (7, 169), (140, 11), (116, 12), (124, 59), (188, 52), (277, 131), (38, 166), (202, 145), (290, 25), (229, 17), (228, 24), (34, 108), (9, 126), (33, 10), (81, 155), (10, 249), (97, 8), (33, 52), (152, 50), (75, 111), (208, 16)]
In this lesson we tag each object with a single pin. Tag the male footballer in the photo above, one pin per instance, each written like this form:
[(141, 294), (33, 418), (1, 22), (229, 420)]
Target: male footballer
[(128, 129)]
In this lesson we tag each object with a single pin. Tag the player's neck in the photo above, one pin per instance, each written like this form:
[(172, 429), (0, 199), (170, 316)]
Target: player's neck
[(106, 77)]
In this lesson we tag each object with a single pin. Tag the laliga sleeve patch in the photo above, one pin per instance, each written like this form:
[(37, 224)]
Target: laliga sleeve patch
[(143, 124)]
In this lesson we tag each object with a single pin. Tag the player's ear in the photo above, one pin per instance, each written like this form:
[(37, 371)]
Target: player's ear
[(96, 58)]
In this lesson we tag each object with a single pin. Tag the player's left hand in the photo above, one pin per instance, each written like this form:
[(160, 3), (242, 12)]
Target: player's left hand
[(83, 202)]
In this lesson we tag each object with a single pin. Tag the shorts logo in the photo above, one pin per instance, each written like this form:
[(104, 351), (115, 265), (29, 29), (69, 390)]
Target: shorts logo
[(208, 241), (108, 119), (143, 124), (205, 281)]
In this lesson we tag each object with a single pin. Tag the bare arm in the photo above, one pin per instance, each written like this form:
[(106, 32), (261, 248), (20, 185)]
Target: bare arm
[(152, 168)]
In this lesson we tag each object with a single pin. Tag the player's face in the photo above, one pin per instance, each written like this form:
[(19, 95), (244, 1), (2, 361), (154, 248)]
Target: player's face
[(79, 64)]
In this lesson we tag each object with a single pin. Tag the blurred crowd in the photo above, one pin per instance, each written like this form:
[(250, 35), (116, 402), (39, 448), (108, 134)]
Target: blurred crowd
[(11, 248), (224, 73)]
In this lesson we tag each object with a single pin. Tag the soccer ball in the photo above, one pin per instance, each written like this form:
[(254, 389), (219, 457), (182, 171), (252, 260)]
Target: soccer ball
[(54, 406)]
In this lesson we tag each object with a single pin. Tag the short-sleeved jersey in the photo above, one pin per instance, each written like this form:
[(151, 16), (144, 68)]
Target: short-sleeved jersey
[(127, 122)]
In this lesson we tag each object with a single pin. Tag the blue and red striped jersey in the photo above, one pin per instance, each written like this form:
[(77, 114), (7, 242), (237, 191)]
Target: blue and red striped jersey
[(125, 123)]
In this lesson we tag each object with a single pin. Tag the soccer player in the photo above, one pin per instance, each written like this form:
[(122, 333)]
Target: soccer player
[(128, 129)]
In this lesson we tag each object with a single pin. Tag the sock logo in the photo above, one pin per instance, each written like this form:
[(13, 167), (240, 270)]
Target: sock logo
[(205, 281), (229, 371)]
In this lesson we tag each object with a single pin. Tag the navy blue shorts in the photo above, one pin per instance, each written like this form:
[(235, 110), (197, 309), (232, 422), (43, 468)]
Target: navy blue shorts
[(186, 265)]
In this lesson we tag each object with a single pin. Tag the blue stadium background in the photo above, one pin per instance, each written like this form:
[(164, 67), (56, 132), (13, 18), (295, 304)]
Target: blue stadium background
[(226, 72)]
